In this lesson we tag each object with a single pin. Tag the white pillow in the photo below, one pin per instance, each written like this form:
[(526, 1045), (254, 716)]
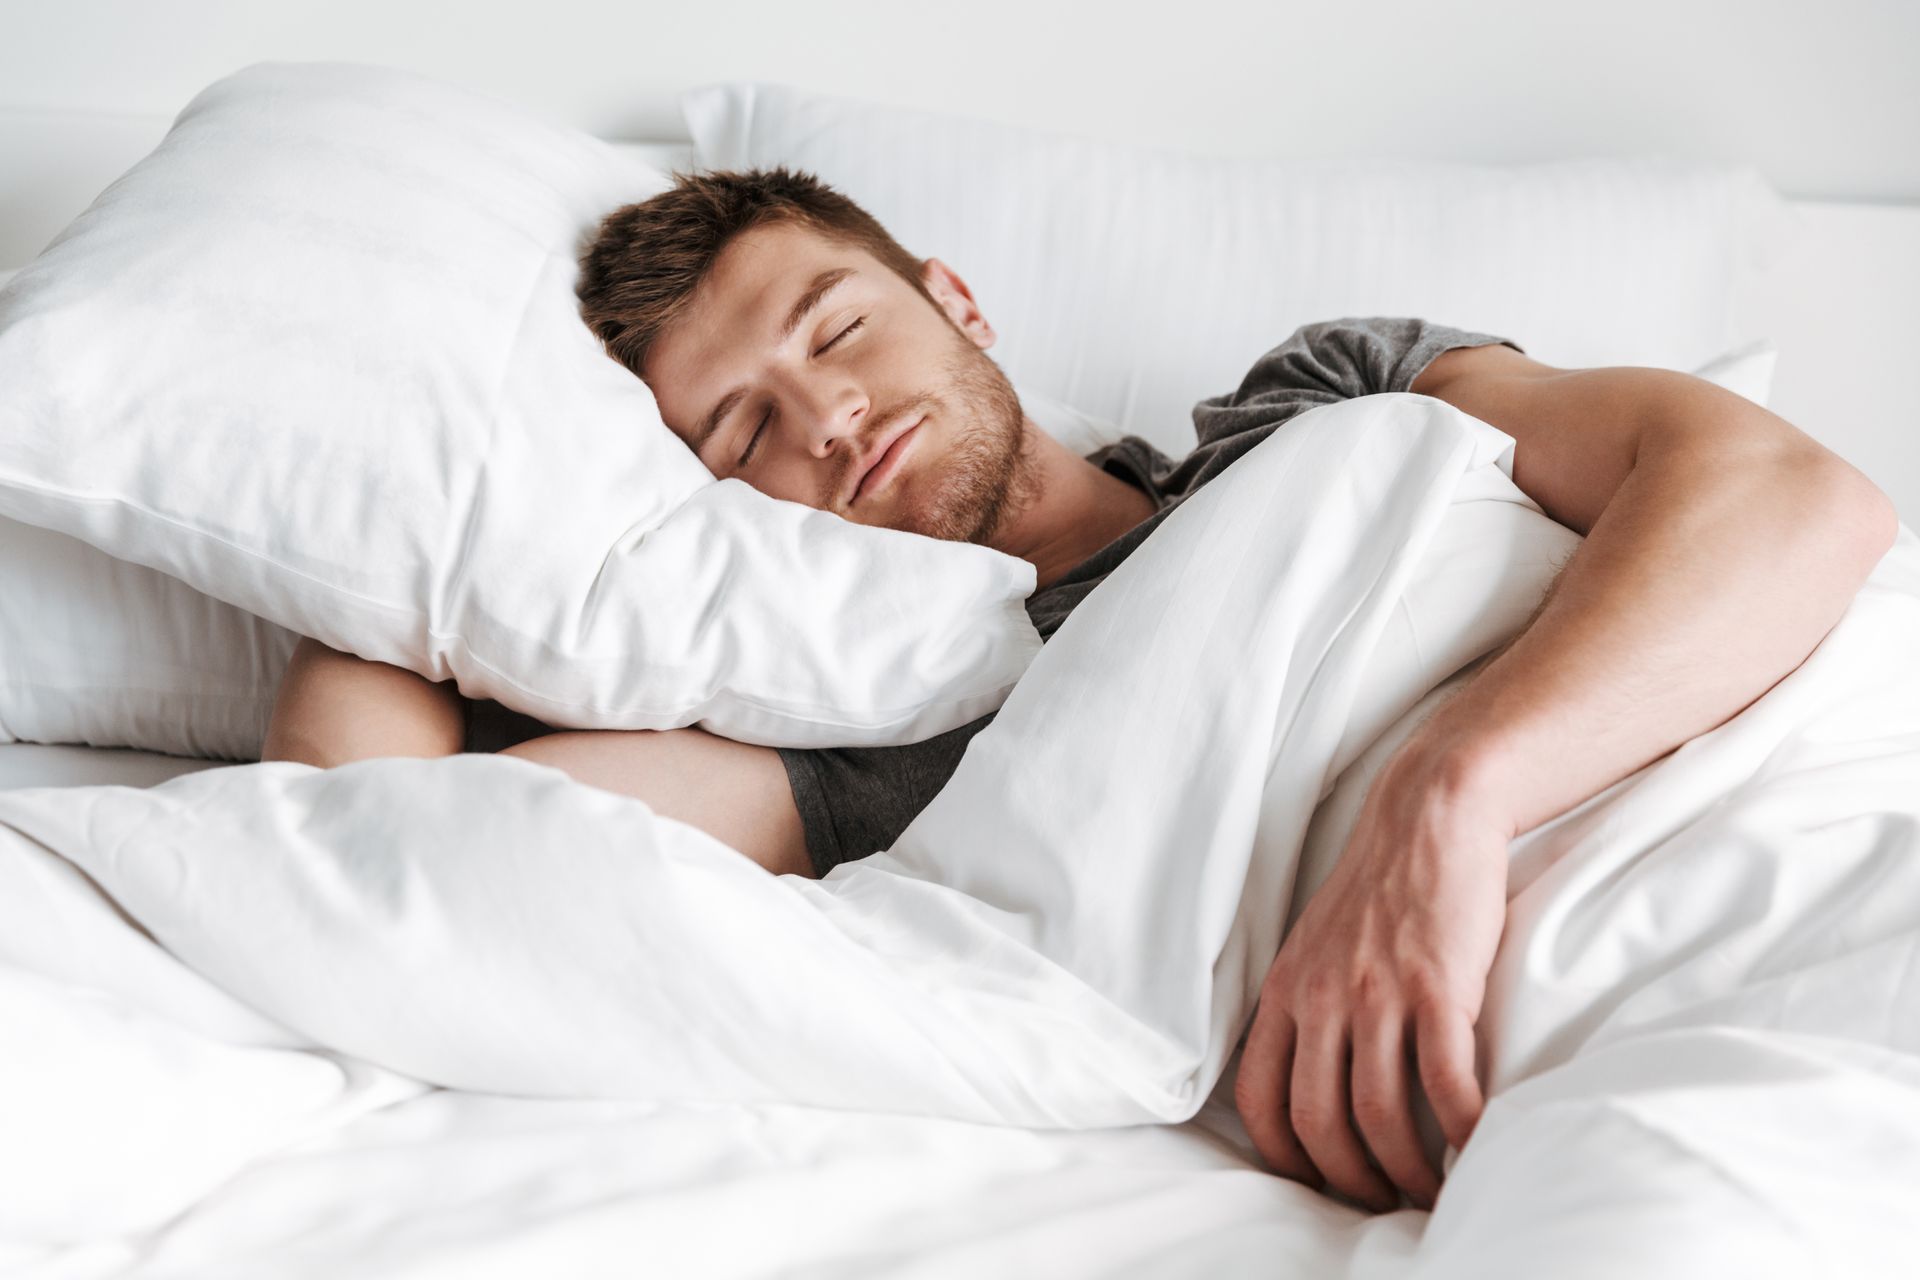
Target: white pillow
[(319, 356), (106, 653), (1132, 282), (99, 651), (1746, 371), (103, 652)]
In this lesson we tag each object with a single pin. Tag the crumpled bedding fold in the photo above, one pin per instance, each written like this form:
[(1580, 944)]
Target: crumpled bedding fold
[(1071, 935)]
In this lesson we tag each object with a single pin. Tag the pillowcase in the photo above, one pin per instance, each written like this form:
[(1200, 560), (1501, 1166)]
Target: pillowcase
[(1131, 282), (319, 357), (103, 652), (107, 653)]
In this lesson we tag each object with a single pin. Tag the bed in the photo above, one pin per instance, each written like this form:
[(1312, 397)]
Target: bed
[(386, 1176)]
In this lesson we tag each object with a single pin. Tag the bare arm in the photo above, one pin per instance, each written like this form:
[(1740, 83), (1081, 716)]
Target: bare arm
[(334, 708), (1722, 545)]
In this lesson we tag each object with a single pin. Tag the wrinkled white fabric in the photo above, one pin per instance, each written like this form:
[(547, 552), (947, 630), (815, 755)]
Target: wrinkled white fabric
[(1111, 804), (1699, 1037), (102, 651)]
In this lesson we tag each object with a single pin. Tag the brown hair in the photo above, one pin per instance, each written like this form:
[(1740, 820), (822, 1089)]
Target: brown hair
[(640, 272)]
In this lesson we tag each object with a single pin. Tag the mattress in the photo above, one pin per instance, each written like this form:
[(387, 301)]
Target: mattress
[(26, 764)]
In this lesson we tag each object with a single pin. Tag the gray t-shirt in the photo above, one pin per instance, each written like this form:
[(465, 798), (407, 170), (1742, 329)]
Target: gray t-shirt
[(855, 801)]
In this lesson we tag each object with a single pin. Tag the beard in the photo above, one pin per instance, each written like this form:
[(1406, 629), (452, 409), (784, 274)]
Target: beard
[(987, 472)]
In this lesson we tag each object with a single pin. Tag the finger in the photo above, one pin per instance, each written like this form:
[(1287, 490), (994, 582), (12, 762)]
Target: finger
[(1321, 1119), (1383, 1103), (1445, 1039), (1260, 1095)]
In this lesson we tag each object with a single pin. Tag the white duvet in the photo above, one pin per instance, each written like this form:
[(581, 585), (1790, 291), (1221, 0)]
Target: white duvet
[(467, 1017)]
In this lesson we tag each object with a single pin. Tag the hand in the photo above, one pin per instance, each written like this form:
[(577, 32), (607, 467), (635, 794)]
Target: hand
[(1388, 961)]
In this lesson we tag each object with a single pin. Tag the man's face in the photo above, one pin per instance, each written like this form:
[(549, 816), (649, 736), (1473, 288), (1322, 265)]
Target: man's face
[(868, 369)]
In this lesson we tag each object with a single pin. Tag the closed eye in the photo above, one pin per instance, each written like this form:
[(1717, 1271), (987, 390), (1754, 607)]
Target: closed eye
[(754, 443), (843, 333)]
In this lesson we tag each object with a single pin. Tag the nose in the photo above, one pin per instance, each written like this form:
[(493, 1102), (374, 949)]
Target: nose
[(829, 411)]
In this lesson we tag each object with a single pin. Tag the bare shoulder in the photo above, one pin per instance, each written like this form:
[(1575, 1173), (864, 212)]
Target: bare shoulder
[(1491, 360)]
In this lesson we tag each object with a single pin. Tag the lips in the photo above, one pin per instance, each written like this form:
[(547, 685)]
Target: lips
[(885, 461)]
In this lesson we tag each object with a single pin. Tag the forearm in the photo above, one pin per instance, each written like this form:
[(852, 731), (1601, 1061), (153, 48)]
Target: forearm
[(334, 708), (1722, 560)]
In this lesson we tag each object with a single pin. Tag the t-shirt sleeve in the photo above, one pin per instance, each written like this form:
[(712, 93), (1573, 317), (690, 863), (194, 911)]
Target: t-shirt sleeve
[(855, 801), (1330, 361)]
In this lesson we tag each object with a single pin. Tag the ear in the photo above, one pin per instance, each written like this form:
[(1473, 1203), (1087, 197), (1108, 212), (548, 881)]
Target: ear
[(951, 292)]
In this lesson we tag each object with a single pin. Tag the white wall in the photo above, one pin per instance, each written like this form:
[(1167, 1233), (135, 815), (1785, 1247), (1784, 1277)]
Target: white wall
[(1823, 97)]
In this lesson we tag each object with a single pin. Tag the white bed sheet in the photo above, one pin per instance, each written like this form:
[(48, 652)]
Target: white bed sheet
[(455, 1184), (427, 1182), (371, 1172), (1746, 1104), (422, 1181)]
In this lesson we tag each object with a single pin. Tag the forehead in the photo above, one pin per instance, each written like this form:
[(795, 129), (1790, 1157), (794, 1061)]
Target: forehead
[(736, 312)]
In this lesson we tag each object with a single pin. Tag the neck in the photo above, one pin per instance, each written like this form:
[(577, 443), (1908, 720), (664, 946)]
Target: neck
[(1063, 508)]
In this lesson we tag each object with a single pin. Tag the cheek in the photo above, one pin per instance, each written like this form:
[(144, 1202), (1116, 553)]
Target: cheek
[(796, 479)]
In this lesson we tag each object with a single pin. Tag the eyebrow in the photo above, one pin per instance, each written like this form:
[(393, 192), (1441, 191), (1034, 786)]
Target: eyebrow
[(815, 294)]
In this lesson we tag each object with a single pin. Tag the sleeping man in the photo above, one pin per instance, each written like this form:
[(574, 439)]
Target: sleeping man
[(792, 343)]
